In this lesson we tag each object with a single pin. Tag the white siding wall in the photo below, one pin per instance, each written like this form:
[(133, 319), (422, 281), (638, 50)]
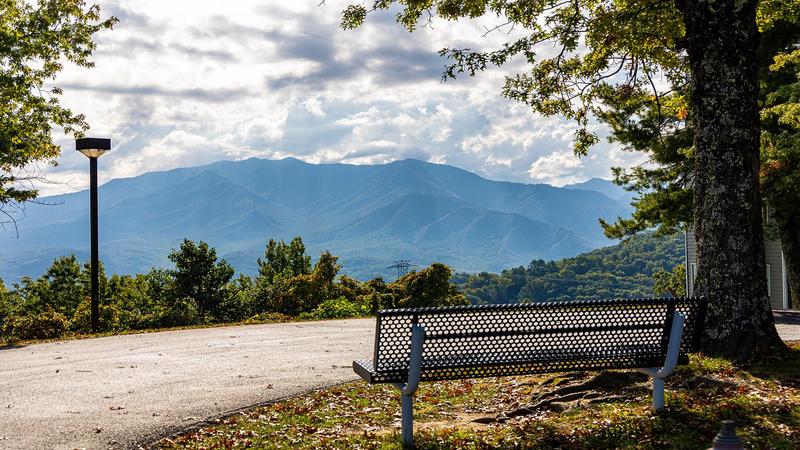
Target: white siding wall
[(772, 254), (691, 258), (773, 258)]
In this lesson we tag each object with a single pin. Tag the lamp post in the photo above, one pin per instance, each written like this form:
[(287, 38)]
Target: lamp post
[(94, 148)]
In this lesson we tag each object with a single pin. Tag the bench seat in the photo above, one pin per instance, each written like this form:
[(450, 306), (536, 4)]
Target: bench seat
[(429, 344), (479, 365)]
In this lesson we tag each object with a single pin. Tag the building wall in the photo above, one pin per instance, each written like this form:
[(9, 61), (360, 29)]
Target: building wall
[(691, 261), (772, 256)]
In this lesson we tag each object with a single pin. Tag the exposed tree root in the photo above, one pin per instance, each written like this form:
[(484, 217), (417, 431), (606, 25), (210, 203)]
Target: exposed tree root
[(558, 380), (601, 388), (702, 382)]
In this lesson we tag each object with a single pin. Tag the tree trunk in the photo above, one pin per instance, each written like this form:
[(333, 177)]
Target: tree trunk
[(789, 233), (721, 41)]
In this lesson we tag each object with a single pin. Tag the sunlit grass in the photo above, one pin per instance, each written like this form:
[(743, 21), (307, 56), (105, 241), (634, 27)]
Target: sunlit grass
[(764, 400)]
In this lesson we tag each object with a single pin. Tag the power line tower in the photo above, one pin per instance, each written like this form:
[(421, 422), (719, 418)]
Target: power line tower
[(402, 267)]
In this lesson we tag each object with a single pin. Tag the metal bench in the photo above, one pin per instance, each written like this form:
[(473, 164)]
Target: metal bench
[(430, 344)]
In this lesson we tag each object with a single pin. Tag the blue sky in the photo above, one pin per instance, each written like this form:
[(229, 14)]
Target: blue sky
[(183, 83)]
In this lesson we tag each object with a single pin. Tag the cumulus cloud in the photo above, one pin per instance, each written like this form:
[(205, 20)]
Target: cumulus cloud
[(184, 83), (556, 168), (209, 94)]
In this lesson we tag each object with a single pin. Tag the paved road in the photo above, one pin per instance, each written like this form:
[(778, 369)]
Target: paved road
[(788, 325), (117, 391)]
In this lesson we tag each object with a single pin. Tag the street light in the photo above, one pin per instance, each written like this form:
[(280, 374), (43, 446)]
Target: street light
[(94, 148)]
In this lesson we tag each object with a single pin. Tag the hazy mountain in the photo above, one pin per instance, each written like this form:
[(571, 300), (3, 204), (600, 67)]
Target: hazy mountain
[(606, 187), (368, 215)]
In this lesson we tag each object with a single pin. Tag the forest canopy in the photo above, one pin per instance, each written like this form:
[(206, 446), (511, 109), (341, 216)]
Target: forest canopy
[(628, 269)]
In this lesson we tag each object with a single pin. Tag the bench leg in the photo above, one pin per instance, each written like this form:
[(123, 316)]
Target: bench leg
[(673, 351), (407, 419), (658, 393), (407, 390)]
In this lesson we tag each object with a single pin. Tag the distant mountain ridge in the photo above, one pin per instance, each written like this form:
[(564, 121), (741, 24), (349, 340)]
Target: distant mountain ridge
[(368, 215), (606, 187)]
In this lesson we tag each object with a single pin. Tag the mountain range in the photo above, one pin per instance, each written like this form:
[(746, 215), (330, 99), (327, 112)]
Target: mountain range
[(369, 215)]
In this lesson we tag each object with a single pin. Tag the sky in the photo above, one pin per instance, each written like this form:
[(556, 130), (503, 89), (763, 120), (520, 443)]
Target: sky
[(184, 83)]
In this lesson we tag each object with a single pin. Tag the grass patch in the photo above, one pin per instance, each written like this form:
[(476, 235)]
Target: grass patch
[(764, 400)]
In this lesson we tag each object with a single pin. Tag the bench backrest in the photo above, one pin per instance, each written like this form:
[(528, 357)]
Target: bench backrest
[(514, 339)]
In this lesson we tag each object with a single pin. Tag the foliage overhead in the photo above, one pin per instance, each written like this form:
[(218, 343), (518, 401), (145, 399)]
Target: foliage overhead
[(780, 114), (662, 128), (36, 39), (602, 48)]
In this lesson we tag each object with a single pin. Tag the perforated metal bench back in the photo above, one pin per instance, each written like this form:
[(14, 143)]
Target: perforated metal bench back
[(494, 340)]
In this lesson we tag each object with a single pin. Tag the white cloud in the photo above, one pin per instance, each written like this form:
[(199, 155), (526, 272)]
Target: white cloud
[(261, 130), (557, 168), (189, 82), (177, 149), (313, 104)]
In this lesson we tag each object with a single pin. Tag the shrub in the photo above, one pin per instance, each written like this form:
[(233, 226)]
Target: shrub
[(47, 324), (5, 302), (428, 287), (237, 305), (181, 312), (336, 308), (269, 317), (81, 321), (200, 277), (292, 296)]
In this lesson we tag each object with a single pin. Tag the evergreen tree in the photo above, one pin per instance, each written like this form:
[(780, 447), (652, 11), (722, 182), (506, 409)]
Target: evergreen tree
[(326, 268), (608, 48), (281, 259), (670, 283), (780, 149), (200, 277), (662, 128)]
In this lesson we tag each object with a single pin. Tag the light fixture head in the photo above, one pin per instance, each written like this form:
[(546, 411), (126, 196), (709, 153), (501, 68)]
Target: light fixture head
[(93, 147)]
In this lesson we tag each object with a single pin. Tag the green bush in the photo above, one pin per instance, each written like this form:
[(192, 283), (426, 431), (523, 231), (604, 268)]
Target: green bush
[(200, 290), (237, 305), (181, 312), (291, 296), (198, 276), (428, 287), (81, 321), (336, 308), (269, 317), (47, 324), (5, 302), (137, 319)]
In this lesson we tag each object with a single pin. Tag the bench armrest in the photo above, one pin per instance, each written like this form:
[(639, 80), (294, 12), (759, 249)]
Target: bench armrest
[(673, 349), (415, 363)]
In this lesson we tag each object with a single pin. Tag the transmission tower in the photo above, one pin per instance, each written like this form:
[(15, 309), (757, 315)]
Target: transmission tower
[(402, 267)]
